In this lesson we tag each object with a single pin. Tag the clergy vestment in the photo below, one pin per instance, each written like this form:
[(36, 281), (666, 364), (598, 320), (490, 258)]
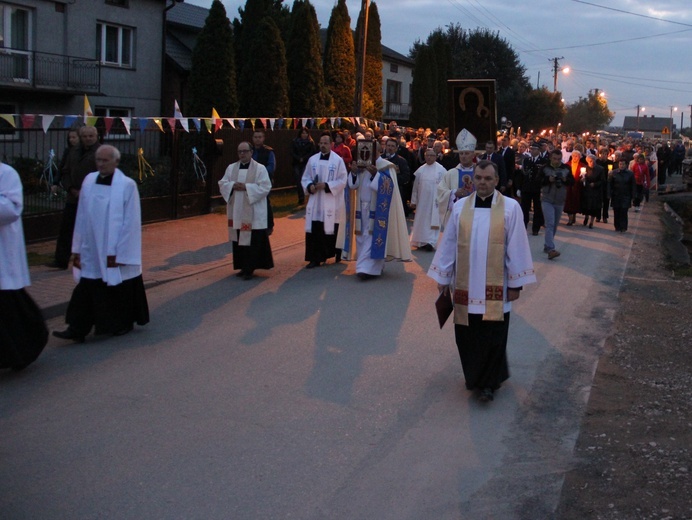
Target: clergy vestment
[(325, 210), (248, 215), (426, 222), (23, 333), (377, 223), (492, 238), (454, 179), (108, 224)]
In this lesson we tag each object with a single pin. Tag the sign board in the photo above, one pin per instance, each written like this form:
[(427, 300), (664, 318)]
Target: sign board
[(472, 105)]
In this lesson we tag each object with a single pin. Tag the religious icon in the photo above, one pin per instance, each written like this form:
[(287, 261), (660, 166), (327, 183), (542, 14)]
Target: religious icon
[(365, 153)]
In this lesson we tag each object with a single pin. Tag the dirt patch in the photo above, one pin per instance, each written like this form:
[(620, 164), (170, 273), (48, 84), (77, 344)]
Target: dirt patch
[(634, 449)]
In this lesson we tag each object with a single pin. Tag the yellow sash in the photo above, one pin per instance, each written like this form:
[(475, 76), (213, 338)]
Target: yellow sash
[(495, 262)]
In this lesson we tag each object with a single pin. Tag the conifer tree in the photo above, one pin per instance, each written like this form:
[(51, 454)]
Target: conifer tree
[(339, 61), (372, 85), (425, 89), (304, 61), (265, 82), (212, 81)]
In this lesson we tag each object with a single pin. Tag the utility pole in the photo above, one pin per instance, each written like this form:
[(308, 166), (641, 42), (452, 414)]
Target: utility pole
[(642, 108), (556, 68), (362, 48)]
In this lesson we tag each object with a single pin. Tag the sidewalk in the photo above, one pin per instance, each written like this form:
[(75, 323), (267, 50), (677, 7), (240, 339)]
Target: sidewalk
[(170, 250)]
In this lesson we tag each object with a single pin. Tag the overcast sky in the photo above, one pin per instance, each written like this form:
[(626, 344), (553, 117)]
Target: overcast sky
[(637, 52)]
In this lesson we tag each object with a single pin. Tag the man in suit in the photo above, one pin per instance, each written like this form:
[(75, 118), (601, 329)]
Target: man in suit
[(491, 155), (403, 172), (508, 155)]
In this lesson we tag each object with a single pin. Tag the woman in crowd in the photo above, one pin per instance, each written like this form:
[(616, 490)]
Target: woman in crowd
[(302, 148)]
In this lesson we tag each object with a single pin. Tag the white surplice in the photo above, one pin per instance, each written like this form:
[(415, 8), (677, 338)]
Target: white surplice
[(109, 223), (518, 263), (14, 269), (328, 207), (426, 223), (446, 188)]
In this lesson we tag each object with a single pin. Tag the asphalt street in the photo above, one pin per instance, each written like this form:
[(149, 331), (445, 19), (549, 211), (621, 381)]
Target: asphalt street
[(312, 395)]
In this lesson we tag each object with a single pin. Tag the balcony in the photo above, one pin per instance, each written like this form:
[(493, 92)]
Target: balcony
[(396, 111), (43, 71)]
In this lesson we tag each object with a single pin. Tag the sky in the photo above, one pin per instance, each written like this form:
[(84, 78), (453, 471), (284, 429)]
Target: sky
[(638, 53)]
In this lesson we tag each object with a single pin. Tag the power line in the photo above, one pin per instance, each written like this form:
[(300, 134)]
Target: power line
[(611, 42), (631, 13)]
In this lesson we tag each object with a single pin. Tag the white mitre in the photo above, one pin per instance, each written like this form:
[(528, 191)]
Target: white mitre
[(466, 141)]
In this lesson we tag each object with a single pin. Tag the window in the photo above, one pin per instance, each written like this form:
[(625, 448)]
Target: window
[(393, 67), (15, 38), (393, 91), (117, 130), (114, 44)]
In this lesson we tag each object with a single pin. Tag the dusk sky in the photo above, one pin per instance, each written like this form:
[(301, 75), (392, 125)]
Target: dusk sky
[(637, 52)]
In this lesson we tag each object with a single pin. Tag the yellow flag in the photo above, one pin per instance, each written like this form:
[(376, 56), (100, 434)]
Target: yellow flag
[(87, 108), (9, 118)]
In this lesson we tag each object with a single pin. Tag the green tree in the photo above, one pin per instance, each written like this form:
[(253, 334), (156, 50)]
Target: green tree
[(588, 114), (425, 89), (304, 60), (212, 82), (266, 81), (244, 31), (372, 84), (340, 61), (542, 109)]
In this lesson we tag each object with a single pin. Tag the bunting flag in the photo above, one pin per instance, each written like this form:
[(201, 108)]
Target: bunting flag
[(280, 122), (91, 121), (208, 123), (87, 109), (289, 122), (69, 121), (331, 121), (177, 114), (127, 121), (108, 123), (241, 124), (27, 120), (230, 122), (322, 121), (142, 122), (338, 122), (197, 124), (216, 119), (158, 123), (269, 123), (185, 123), (252, 122), (46, 121), (9, 118), (171, 122)]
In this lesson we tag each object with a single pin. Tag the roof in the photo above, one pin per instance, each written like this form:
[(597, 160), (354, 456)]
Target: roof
[(647, 124), (188, 15)]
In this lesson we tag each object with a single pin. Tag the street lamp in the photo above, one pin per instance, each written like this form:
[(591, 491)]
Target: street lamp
[(672, 109)]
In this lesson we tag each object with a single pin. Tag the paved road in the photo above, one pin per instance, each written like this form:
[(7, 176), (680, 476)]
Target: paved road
[(311, 395)]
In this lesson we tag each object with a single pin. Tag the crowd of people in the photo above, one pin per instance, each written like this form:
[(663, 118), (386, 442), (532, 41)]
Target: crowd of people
[(474, 211)]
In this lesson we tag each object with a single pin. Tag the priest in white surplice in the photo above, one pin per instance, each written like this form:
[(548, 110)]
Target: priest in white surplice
[(457, 182), (107, 249), (324, 180), (378, 221), (485, 260), (426, 223), (245, 187)]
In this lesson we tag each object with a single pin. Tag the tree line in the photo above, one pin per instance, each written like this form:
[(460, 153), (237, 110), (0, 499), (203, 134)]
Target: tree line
[(269, 62)]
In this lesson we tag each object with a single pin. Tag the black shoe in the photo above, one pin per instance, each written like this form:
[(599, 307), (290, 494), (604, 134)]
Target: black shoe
[(69, 333), (337, 259), (240, 274), (486, 395), (312, 265), (534, 233), (247, 275), (365, 276), (123, 331)]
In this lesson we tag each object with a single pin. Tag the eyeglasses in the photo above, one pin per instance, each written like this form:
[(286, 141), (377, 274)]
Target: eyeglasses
[(244, 151)]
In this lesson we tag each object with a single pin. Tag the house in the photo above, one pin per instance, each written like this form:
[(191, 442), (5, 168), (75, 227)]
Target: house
[(652, 127), (185, 21), (53, 52)]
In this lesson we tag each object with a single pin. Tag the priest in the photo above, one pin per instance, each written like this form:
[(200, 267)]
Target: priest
[(426, 222), (107, 254), (324, 180), (377, 223), (457, 182), (245, 187), (484, 260)]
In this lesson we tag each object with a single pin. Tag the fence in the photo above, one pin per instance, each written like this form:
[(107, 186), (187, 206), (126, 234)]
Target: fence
[(169, 166)]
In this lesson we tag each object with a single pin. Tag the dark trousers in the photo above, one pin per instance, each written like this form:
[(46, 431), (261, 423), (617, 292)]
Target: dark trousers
[(606, 203), (63, 246), (318, 245), (526, 200), (620, 215), (483, 351), (298, 170)]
